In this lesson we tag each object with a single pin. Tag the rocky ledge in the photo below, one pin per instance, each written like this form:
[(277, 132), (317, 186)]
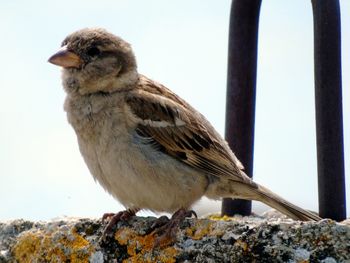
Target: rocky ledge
[(214, 239)]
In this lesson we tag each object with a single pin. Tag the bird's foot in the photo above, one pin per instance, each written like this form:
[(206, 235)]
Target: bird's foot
[(166, 229), (114, 219)]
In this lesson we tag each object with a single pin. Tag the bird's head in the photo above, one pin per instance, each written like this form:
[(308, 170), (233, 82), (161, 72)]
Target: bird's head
[(94, 60)]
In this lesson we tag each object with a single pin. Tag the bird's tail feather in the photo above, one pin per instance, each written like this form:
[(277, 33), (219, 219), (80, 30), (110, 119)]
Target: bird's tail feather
[(282, 205)]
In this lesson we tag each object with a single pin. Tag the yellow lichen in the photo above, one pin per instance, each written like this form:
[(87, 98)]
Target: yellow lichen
[(242, 244), (200, 229), (54, 246), (142, 249), (221, 218)]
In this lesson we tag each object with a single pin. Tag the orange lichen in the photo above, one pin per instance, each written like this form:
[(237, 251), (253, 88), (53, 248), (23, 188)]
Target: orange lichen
[(27, 246), (142, 248), (41, 246)]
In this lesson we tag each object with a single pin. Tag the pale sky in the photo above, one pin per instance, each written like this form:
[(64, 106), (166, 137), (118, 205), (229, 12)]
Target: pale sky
[(182, 44)]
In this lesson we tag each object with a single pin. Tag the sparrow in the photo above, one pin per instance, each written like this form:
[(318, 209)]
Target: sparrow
[(145, 145)]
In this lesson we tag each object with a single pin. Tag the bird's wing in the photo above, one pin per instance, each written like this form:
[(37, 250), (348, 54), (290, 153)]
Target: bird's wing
[(172, 126)]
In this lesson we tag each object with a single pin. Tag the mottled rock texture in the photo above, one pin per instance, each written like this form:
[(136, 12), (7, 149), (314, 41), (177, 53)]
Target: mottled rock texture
[(248, 239)]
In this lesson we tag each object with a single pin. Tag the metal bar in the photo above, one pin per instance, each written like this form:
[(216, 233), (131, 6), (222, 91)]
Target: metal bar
[(241, 81), (329, 115)]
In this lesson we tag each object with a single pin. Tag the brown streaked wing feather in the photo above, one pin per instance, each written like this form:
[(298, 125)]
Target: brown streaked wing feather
[(191, 141)]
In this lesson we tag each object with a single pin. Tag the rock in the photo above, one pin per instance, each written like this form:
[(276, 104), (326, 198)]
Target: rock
[(215, 239)]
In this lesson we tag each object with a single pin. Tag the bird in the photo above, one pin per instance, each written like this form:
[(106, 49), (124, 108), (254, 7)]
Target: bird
[(146, 146)]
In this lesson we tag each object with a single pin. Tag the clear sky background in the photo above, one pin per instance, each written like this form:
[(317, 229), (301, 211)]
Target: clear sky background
[(182, 44)]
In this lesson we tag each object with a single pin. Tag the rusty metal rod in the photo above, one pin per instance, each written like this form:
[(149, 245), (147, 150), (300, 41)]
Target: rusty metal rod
[(329, 115), (241, 81)]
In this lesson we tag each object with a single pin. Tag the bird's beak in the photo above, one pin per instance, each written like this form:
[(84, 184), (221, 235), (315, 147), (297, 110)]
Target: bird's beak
[(66, 59)]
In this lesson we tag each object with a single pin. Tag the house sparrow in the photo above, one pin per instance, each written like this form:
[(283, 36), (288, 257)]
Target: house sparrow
[(144, 144)]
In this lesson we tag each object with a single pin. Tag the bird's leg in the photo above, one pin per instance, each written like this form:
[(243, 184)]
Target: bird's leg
[(167, 232), (115, 218)]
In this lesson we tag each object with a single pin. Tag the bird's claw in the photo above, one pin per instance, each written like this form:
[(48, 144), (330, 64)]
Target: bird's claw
[(114, 219), (166, 229)]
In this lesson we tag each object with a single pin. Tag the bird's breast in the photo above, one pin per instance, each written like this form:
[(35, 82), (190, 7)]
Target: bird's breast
[(134, 173)]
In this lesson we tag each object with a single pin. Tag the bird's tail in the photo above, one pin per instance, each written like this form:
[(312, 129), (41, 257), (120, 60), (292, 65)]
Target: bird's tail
[(282, 205)]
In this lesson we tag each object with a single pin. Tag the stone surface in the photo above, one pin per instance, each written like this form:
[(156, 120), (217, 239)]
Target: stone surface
[(214, 239)]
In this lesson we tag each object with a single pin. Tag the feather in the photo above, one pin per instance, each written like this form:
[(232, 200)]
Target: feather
[(170, 125)]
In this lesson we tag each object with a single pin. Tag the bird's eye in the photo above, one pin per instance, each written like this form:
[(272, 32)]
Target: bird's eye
[(93, 52)]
